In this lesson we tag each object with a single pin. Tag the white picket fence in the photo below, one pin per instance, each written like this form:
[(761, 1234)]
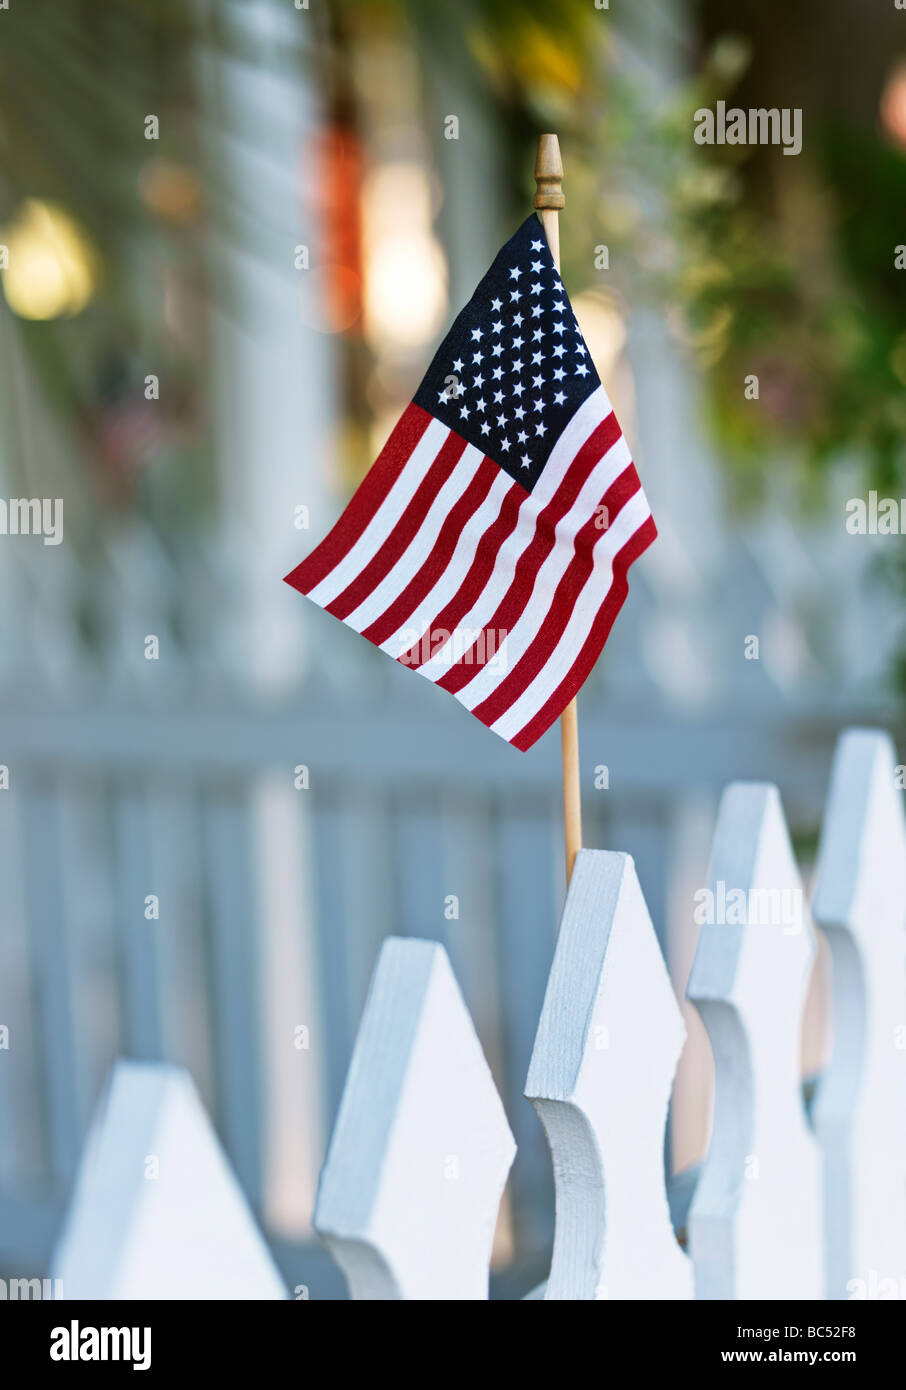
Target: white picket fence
[(785, 1206)]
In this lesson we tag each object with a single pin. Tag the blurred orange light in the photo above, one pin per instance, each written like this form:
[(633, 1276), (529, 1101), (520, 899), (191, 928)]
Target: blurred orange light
[(334, 186), (170, 191)]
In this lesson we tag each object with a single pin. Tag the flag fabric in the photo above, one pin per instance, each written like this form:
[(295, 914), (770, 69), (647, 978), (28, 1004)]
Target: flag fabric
[(488, 546)]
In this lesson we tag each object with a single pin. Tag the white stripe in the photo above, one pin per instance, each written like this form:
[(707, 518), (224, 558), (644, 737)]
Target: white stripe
[(450, 581), (635, 513), (522, 635), (386, 516), (422, 543), (544, 581), (578, 430), (585, 420)]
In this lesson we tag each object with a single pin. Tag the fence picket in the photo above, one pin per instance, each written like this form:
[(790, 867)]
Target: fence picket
[(48, 874), (139, 944), (421, 1148), (156, 1212), (606, 1049), (755, 1219), (859, 1110), (230, 871)]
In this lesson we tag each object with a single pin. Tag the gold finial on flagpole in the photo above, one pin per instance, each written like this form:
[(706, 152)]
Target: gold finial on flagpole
[(549, 174), (549, 200)]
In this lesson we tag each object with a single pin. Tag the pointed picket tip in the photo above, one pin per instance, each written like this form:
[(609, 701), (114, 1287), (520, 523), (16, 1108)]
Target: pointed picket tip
[(753, 903), (861, 872), (421, 1149), (602, 1067), (859, 1110), (156, 1211), (755, 1228)]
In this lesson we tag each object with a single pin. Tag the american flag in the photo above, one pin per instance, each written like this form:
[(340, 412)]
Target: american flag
[(488, 546)]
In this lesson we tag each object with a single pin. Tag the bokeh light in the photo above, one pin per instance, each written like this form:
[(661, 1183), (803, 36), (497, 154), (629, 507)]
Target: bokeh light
[(51, 270), (893, 105), (405, 267)]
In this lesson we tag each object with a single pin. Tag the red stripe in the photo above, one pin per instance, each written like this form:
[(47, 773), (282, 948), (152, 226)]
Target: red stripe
[(423, 582), (380, 564), (366, 500), (571, 584), (591, 650), (530, 561), (478, 575)]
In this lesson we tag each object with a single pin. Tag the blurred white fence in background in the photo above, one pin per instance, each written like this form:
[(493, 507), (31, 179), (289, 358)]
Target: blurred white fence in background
[(782, 1207)]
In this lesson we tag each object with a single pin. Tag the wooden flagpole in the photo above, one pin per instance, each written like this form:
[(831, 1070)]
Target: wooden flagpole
[(548, 201)]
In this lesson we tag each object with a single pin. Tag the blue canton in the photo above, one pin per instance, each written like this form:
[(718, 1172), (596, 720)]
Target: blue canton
[(514, 367)]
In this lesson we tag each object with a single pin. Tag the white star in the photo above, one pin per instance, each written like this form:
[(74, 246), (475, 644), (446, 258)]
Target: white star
[(536, 311), (517, 388), (501, 421), (538, 335), (515, 296), (558, 350), (559, 327), (442, 396), (519, 412), (457, 365), (538, 405), (517, 364), (580, 347), (526, 461), (485, 427), (497, 349), (505, 444), (497, 373), (476, 356), (536, 245), (464, 412), (541, 429), (517, 342), (515, 273), (497, 325), (498, 397), (478, 382), (559, 374), (479, 404), (522, 436), (581, 370), (537, 267), (537, 287), (495, 305), (517, 319), (538, 380), (559, 398), (477, 335)]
